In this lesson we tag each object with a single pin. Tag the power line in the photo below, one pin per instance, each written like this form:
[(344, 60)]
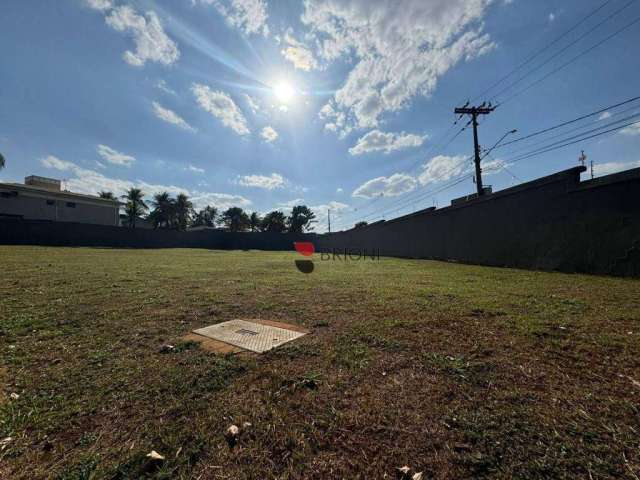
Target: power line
[(564, 49), (503, 166), (539, 81), (433, 147), (546, 149), (443, 175), (566, 64), (581, 127), (569, 122), (556, 147), (542, 50), (424, 194), (414, 197)]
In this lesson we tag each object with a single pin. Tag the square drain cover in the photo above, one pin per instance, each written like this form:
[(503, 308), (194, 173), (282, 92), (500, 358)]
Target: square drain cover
[(255, 337)]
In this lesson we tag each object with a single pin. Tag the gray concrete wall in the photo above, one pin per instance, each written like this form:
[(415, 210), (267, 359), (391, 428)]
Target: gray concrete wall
[(553, 223)]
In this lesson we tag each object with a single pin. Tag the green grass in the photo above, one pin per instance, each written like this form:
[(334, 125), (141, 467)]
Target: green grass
[(458, 371)]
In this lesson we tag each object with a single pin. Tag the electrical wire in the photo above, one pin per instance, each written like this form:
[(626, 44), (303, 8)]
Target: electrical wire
[(542, 50), (566, 64), (569, 122), (564, 49), (546, 149)]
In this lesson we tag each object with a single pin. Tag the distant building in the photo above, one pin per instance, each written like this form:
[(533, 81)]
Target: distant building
[(42, 198), (140, 222)]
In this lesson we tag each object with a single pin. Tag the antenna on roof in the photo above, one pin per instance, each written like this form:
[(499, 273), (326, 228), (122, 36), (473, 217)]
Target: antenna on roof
[(582, 158)]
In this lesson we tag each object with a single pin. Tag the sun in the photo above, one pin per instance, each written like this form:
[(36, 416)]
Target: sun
[(284, 92)]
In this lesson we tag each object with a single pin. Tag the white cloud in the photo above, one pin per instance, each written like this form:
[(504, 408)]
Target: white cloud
[(152, 43), (250, 16), (399, 52), (221, 201), (221, 106), (392, 186), (631, 129), (192, 168), (301, 57), (339, 190), (162, 85), (299, 54), (552, 17), (438, 169), (604, 116), (269, 134), (170, 116), (600, 169), (100, 4), (492, 167), (337, 210), (377, 141), (336, 121), (91, 182), (113, 156), (291, 203), (442, 168), (252, 103), (270, 182)]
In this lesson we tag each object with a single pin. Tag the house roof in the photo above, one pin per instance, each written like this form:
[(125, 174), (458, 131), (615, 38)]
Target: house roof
[(62, 193)]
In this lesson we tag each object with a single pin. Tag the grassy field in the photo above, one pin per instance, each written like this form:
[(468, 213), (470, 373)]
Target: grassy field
[(456, 371)]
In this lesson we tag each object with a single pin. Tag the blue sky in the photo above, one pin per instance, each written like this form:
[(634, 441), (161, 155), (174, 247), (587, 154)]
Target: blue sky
[(333, 104)]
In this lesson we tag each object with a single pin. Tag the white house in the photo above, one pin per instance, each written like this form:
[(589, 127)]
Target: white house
[(42, 198)]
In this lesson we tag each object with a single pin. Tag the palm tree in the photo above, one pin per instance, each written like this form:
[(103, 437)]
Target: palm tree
[(135, 205), (106, 195), (163, 210), (300, 219), (183, 210), (205, 217), (255, 222), (2, 161), (235, 219), (274, 222)]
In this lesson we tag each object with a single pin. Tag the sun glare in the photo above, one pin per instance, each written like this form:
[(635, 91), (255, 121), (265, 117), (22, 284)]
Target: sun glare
[(284, 92)]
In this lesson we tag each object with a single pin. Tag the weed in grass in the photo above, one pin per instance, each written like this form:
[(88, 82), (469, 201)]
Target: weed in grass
[(459, 367), (83, 470), (308, 381), (350, 353)]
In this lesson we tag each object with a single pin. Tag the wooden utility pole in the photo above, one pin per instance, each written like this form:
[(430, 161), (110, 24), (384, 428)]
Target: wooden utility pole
[(474, 112), (329, 218)]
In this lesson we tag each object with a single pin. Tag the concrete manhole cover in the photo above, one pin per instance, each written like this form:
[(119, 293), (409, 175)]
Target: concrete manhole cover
[(251, 336)]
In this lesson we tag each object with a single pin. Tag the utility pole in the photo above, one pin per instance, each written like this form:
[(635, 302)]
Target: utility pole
[(329, 218), (474, 112)]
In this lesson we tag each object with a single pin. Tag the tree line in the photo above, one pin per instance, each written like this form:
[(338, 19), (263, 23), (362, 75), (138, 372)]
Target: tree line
[(178, 213)]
